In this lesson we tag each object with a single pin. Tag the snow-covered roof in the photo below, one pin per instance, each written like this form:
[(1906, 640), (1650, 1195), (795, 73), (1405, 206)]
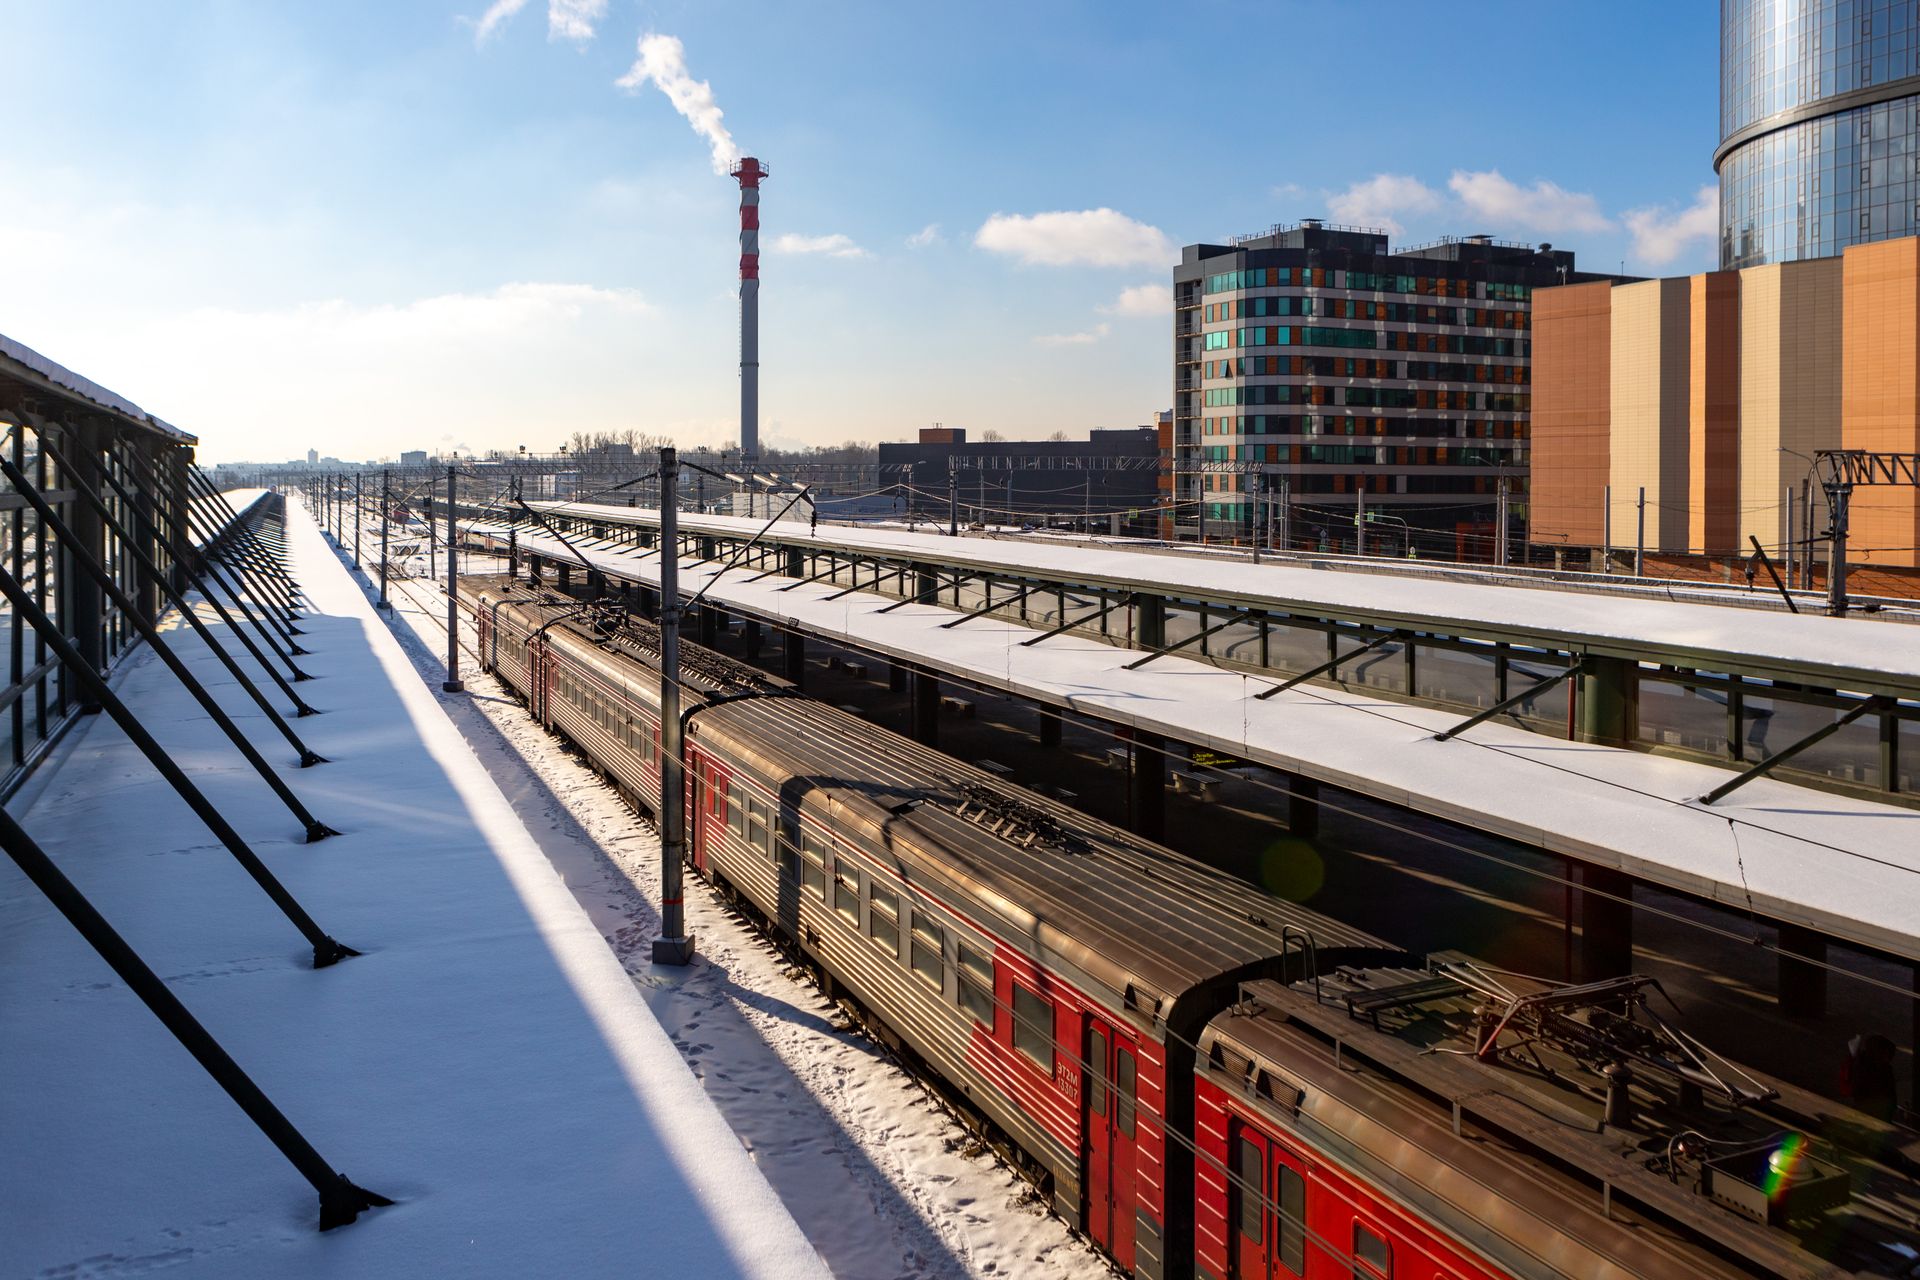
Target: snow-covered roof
[(67, 380), (1847, 867), (487, 1062), (1855, 653)]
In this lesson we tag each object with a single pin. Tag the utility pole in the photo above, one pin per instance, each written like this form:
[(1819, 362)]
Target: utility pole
[(453, 683), (1640, 536), (1500, 531), (1806, 532), (953, 496), (386, 518), (675, 944), (1258, 512), (356, 519), (1360, 521), (1838, 492), (1791, 550), (1606, 529), (1286, 513)]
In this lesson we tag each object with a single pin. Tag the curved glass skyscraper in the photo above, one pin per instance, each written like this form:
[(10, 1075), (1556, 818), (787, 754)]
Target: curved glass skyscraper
[(1819, 121)]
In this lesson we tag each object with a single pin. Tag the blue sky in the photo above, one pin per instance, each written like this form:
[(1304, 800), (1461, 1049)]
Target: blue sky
[(369, 227)]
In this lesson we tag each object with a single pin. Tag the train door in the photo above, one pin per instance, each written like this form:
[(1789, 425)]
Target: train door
[(484, 616), (710, 807), (1108, 1104), (1267, 1192), (539, 671)]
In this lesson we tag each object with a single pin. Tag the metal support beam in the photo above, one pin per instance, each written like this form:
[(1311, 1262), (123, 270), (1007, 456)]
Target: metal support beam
[(992, 606), (1803, 983), (340, 1200), (1606, 924), (1785, 754), (796, 656), (1177, 645), (1303, 806), (1331, 664), (1539, 686), (1081, 621), (1608, 694), (926, 708), (674, 946), (325, 950)]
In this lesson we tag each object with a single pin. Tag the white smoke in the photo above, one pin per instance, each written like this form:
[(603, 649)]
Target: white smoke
[(663, 63), (566, 19)]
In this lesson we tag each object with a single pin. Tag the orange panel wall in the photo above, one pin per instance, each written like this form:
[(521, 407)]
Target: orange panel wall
[(1572, 339), (1880, 391)]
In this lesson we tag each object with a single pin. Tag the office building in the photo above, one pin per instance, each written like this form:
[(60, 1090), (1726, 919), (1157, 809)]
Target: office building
[(1819, 127), (1684, 416), (1314, 362)]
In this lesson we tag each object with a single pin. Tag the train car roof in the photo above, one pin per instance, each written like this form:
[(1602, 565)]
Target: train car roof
[(1150, 922), (1598, 1095)]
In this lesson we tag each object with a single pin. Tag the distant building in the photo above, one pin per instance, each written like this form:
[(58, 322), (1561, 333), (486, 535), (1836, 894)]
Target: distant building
[(414, 458), (1317, 359), (1712, 393), (313, 457), (1107, 482)]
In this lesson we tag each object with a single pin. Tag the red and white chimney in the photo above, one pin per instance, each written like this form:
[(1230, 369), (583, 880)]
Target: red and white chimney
[(749, 172)]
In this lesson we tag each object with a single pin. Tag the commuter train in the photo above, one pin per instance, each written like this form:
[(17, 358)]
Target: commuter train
[(1207, 1081)]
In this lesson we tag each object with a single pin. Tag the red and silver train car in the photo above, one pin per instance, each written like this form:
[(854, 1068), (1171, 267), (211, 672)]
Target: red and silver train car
[(1211, 1082)]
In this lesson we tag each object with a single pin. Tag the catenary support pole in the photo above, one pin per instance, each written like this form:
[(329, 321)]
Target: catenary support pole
[(357, 503), (1606, 529), (1640, 535), (953, 496), (1500, 526), (1360, 521), (340, 1200), (386, 519), (325, 950), (674, 946), (453, 683), (1838, 495)]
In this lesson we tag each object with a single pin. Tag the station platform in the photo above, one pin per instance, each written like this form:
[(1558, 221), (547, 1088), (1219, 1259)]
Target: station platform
[(486, 1063), (1844, 867)]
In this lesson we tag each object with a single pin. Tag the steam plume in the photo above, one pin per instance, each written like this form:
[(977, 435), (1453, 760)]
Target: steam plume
[(663, 64)]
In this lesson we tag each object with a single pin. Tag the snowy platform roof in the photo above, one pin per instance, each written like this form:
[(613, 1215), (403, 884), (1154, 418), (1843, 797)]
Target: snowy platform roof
[(1856, 653), (487, 1062), (1848, 868), (19, 361)]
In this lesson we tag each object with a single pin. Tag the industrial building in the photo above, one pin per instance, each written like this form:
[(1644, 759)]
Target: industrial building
[(1108, 482), (1317, 375), (1683, 416)]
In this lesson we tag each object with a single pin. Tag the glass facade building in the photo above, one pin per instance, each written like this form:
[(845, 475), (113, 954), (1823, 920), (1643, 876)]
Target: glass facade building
[(1819, 120)]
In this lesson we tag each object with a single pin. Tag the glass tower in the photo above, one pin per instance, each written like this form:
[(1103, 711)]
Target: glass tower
[(1819, 121)]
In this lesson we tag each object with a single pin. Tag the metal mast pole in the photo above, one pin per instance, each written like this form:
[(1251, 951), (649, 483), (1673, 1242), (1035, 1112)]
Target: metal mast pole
[(386, 518), (1500, 532), (1837, 494), (1791, 550), (1606, 529), (675, 944), (1640, 535), (1286, 513), (453, 682), (1259, 511), (356, 519), (953, 496), (1360, 521)]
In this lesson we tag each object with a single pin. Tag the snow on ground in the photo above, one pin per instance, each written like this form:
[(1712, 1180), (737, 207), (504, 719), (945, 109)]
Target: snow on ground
[(884, 1180), (487, 1062)]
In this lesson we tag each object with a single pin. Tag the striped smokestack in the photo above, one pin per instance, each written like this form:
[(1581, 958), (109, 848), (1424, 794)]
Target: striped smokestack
[(749, 171)]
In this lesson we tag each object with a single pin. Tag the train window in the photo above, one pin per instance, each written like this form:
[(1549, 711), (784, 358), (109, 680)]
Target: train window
[(1249, 1191), (976, 983), (1125, 1079), (929, 948), (757, 825), (1371, 1255), (1291, 1230), (846, 893), (813, 868), (883, 919), (737, 813), (1033, 1027)]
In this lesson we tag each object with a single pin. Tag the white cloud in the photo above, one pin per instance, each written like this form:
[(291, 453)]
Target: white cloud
[(1543, 207), (1090, 237), (926, 236), (1377, 201), (566, 19), (833, 246), (1142, 300), (1660, 236), (663, 63), (1084, 338), (574, 19)]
